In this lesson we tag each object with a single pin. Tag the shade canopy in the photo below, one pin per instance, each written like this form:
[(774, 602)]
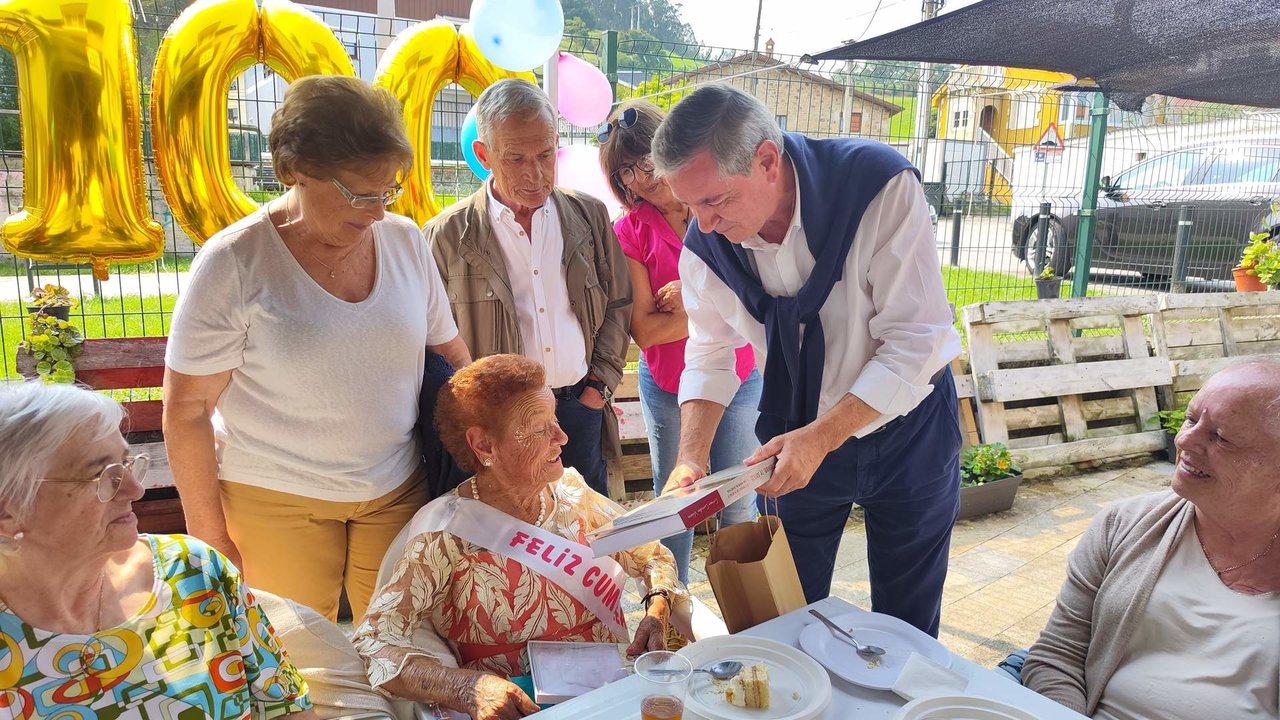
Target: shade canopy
[(1225, 51)]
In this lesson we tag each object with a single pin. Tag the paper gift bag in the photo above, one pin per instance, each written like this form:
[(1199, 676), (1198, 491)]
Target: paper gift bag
[(753, 573)]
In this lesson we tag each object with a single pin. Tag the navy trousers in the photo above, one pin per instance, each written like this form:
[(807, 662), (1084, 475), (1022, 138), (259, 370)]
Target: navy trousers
[(583, 452), (906, 478)]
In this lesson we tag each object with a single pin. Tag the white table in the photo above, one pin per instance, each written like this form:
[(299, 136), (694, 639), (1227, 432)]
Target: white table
[(621, 700)]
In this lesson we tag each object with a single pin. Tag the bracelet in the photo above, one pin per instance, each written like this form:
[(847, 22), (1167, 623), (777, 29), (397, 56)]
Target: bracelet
[(655, 593)]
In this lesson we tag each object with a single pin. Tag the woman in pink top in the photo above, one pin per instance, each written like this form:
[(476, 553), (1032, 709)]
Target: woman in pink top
[(650, 234)]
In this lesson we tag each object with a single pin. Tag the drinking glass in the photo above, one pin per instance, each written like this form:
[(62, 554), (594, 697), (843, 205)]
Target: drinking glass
[(666, 680)]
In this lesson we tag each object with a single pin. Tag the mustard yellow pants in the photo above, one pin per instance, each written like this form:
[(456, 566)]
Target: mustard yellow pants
[(308, 550)]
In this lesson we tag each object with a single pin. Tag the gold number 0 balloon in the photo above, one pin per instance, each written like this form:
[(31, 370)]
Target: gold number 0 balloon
[(83, 193), (212, 42), (420, 62)]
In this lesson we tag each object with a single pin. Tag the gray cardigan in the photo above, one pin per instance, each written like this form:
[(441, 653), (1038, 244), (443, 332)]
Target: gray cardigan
[(1110, 575)]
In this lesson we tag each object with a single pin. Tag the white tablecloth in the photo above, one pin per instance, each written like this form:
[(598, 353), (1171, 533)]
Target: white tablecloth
[(621, 700)]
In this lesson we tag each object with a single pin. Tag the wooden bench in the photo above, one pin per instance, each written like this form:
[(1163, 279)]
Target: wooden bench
[(129, 363)]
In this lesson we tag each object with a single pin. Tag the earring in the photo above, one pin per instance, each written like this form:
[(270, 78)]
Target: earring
[(17, 537), (488, 462)]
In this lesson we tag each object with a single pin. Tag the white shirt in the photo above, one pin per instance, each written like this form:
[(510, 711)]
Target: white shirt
[(549, 331), (323, 394), (1200, 650), (887, 322)]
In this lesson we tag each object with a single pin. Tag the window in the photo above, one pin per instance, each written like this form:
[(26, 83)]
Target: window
[(960, 119), (855, 122), (1244, 164), (1164, 171), (782, 122), (233, 115)]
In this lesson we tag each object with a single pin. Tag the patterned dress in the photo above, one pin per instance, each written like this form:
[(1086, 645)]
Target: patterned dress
[(485, 606), (199, 648)]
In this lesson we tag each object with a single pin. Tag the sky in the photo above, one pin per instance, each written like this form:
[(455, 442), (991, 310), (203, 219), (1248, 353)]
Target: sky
[(800, 26)]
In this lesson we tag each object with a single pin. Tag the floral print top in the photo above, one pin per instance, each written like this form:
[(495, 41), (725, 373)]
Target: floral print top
[(486, 607)]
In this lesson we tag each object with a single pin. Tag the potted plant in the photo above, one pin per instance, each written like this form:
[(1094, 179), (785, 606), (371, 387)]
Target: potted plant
[(53, 344), (52, 300), (989, 479), (1261, 255), (1171, 422), (1048, 284)]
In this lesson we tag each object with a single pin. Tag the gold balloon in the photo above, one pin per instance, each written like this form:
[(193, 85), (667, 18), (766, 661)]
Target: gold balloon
[(210, 44), (84, 195), (416, 66)]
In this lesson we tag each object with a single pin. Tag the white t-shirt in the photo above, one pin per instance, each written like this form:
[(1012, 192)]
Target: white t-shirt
[(1201, 650), (324, 394)]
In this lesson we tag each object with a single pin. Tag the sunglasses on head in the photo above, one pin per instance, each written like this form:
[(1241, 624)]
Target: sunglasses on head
[(624, 121)]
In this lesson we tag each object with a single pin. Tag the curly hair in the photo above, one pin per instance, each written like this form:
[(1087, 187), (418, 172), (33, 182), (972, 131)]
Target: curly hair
[(479, 395), (628, 145), (332, 122)]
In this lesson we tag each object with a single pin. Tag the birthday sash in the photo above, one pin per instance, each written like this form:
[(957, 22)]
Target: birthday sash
[(596, 582)]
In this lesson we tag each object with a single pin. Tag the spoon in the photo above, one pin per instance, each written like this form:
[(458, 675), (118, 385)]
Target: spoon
[(722, 670), (863, 650)]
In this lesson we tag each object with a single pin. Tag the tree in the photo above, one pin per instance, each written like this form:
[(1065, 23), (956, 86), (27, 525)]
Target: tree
[(657, 18)]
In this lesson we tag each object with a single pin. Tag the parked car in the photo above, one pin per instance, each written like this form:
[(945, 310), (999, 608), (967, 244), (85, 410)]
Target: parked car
[(1233, 187)]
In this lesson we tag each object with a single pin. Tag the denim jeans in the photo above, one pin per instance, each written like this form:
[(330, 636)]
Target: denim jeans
[(735, 439)]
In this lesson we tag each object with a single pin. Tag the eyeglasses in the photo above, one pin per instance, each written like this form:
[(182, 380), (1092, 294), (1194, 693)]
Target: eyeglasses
[(627, 173), (624, 121), (364, 202), (112, 476)]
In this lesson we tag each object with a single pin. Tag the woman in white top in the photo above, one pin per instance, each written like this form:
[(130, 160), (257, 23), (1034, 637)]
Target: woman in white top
[(296, 354), (1171, 608)]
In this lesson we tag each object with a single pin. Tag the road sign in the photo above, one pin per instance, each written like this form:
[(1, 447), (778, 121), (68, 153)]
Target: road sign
[(1050, 141)]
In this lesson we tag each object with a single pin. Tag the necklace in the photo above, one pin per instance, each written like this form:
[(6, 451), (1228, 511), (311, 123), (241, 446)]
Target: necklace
[(102, 592), (333, 269), (542, 501), (1250, 561)]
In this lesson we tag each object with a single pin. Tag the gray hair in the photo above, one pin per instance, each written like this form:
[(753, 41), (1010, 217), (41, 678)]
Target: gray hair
[(510, 97), (36, 420), (720, 118)]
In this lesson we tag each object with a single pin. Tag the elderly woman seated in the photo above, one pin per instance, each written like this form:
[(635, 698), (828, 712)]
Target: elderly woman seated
[(94, 617), (1171, 607), (501, 560)]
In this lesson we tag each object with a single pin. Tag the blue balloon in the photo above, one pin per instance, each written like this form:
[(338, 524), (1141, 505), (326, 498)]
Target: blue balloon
[(517, 35), (469, 136)]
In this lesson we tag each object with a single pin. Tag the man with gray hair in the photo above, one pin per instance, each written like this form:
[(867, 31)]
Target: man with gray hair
[(820, 254), (535, 270)]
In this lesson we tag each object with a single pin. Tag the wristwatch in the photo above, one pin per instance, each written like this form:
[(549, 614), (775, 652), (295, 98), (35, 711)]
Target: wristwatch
[(600, 387), (655, 593)]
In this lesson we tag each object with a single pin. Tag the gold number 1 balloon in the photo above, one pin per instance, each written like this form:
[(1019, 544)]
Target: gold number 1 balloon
[(84, 193)]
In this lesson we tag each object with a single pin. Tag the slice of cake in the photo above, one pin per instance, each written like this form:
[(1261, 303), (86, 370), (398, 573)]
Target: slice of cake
[(750, 688)]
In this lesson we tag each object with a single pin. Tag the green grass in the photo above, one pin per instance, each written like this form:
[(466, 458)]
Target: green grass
[(132, 316), (902, 126), (129, 316), (169, 262)]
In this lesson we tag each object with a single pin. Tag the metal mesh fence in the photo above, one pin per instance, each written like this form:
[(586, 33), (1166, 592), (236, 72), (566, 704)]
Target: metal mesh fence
[(980, 136)]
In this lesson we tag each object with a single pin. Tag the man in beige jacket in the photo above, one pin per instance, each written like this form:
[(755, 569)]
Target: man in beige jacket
[(537, 271)]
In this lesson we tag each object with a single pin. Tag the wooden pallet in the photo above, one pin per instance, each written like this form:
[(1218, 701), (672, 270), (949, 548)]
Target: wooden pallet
[(1202, 334), (1066, 381)]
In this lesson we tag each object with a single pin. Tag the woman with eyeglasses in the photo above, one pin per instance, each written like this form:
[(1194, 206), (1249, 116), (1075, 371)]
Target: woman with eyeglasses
[(651, 234), (97, 619), (296, 355)]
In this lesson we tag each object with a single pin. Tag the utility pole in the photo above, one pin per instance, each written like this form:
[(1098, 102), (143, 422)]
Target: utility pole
[(924, 92), (755, 44)]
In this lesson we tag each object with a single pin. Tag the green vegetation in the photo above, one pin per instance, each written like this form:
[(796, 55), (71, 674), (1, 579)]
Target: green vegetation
[(129, 316)]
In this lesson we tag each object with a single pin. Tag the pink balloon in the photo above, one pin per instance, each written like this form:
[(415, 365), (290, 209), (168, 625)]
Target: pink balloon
[(578, 167), (584, 95)]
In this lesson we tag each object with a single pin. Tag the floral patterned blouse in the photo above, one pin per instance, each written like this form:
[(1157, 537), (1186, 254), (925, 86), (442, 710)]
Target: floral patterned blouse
[(485, 606), (200, 647)]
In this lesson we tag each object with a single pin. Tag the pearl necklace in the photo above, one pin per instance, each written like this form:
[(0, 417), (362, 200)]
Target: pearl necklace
[(542, 501), (1250, 561)]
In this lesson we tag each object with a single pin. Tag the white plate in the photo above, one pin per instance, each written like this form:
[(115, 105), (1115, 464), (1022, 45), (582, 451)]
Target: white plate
[(898, 638), (799, 688), (960, 707)]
